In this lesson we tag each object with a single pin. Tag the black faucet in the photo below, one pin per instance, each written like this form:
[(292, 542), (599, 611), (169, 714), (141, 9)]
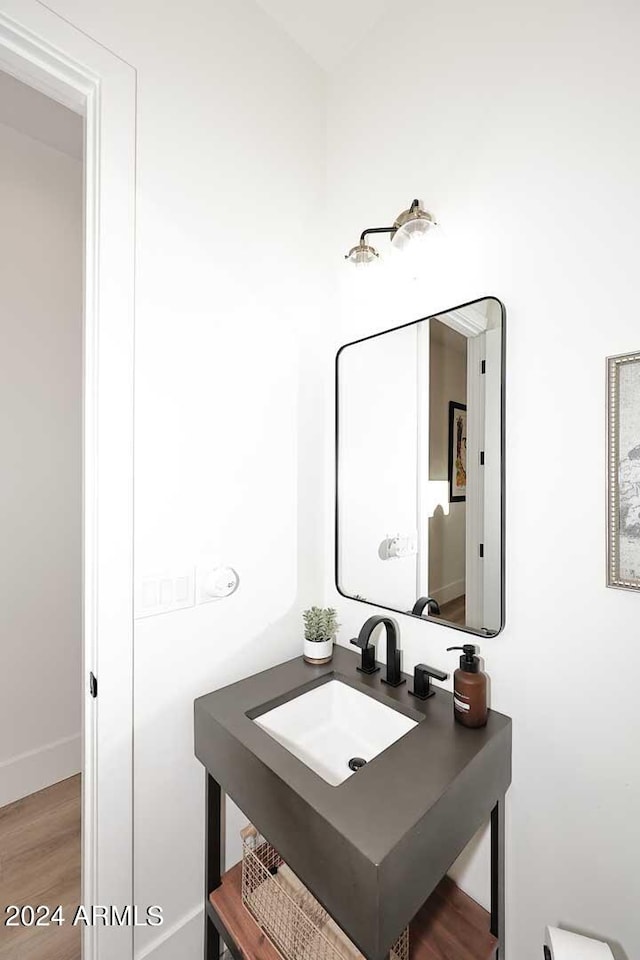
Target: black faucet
[(363, 640), (432, 607)]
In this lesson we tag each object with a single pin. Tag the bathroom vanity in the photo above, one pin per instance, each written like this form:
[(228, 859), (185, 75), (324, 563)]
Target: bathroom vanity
[(372, 842)]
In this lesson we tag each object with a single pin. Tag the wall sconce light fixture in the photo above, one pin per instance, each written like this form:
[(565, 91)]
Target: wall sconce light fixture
[(410, 225)]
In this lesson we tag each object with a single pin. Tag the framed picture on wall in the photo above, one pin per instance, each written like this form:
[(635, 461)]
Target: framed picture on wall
[(623, 473), (457, 452)]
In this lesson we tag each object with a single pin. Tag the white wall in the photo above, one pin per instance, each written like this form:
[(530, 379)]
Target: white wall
[(38, 116), (517, 126), (231, 133), (40, 477)]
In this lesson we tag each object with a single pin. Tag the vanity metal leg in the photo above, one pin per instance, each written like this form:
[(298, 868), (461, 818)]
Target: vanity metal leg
[(498, 876), (214, 853)]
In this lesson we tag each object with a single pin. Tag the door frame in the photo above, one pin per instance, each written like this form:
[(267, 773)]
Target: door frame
[(48, 53)]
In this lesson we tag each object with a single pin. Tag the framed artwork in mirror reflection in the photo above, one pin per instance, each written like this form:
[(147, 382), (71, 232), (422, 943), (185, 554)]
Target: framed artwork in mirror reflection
[(457, 452), (623, 471)]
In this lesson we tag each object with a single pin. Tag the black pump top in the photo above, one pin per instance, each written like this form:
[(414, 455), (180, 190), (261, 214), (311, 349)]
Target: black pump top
[(469, 662)]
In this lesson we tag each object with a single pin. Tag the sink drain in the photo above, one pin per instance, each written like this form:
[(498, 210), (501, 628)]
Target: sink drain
[(356, 762)]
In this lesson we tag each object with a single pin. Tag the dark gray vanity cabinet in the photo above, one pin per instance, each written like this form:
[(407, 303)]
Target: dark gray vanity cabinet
[(375, 848)]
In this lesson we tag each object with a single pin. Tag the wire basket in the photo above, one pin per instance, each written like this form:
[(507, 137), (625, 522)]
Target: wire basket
[(288, 913)]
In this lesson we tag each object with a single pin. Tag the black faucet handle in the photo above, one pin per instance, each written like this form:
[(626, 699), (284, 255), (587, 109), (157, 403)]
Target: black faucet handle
[(422, 675), (368, 659)]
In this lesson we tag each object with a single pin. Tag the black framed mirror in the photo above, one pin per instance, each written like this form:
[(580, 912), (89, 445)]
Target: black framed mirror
[(420, 448)]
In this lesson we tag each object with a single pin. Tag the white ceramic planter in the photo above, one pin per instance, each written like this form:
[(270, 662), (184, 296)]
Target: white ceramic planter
[(318, 651)]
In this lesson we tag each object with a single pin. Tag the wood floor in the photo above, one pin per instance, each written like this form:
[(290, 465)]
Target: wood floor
[(454, 611), (40, 863)]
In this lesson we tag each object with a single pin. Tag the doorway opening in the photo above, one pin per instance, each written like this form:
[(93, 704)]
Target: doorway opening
[(41, 373)]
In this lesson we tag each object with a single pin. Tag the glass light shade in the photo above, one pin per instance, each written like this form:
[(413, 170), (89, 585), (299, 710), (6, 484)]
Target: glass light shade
[(413, 230), (361, 254)]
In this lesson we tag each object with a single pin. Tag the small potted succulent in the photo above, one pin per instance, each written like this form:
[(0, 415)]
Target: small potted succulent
[(320, 628)]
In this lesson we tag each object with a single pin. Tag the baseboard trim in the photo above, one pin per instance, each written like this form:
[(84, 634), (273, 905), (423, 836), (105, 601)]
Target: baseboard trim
[(38, 769), (178, 927), (449, 591)]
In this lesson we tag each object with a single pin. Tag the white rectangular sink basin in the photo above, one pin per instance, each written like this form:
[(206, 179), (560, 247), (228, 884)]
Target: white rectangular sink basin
[(332, 724)]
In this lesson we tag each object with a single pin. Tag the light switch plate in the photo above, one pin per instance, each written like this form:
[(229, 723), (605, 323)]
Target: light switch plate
[(164, 593)]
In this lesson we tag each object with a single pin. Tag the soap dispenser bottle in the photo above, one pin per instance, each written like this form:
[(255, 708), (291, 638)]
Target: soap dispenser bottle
[(469, 689)]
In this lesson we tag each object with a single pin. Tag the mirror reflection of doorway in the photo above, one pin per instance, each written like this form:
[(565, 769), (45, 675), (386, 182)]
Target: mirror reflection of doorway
[(41, 400), (447, 462)]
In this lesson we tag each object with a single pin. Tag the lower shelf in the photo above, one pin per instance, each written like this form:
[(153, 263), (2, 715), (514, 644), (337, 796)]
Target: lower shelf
[(450, 925)]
